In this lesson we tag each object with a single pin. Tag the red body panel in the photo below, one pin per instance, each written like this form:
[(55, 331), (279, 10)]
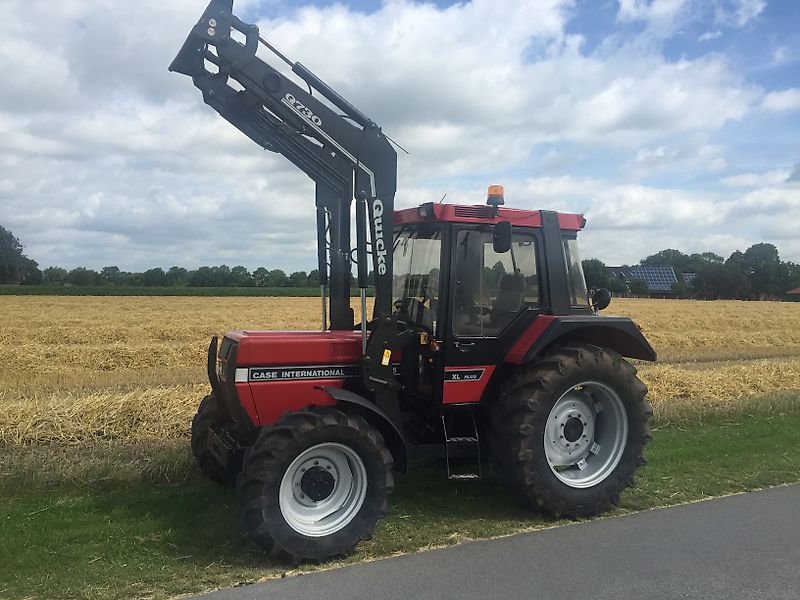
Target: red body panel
[(266, 401), (485, 214), (517, 352), (466, 389), (247, 401), (267, 348), (274, 398)]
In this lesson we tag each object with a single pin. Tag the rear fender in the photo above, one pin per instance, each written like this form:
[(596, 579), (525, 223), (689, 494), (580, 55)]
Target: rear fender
[(620, 334), (378, 419)]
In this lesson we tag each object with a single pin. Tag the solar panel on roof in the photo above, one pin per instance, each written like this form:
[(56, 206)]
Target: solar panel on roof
[(658, 279)]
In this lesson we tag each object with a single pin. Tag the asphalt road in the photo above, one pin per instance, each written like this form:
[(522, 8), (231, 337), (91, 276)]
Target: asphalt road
[(739, 547)]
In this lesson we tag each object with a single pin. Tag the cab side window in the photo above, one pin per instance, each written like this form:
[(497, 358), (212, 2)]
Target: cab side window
[(490, 289)]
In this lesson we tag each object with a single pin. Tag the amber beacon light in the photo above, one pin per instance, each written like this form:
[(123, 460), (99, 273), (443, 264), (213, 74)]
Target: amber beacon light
[(495, 196)]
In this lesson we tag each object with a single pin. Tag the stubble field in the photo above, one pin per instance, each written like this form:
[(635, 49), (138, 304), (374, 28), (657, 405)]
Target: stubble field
[(100, 499), (133, 368)]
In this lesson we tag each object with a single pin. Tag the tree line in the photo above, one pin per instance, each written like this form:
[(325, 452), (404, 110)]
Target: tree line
[(218, 276), (15, 267), (757, 273)]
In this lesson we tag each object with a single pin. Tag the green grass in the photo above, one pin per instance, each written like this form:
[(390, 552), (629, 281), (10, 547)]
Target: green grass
[(144, 524)]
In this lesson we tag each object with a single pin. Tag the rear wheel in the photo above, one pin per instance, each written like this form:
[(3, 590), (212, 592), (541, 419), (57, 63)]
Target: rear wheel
[(569, 431), (208, 417), (315, 484)]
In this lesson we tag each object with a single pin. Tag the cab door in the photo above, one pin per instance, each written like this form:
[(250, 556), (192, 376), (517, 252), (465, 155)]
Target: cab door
[(493, 297)]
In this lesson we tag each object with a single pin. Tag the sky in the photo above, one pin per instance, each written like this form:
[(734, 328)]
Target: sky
[(667, 123)]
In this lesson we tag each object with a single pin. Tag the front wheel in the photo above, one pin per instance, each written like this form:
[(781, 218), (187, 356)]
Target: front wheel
[(315, 484), (208, 417), (569, 431)]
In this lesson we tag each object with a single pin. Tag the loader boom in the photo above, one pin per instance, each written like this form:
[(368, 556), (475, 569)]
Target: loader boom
[(345, 154)]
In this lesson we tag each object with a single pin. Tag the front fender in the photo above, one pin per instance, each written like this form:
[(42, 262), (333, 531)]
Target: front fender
[(378, 419)]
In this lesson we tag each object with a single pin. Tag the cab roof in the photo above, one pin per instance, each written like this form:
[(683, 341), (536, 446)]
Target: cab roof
[(481, 213)]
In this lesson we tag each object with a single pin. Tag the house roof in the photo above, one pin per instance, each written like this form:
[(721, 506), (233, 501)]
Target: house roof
[(794, 291)]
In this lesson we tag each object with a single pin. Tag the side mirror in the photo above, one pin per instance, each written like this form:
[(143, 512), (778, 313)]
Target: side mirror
[(600, 299), (501, 237)]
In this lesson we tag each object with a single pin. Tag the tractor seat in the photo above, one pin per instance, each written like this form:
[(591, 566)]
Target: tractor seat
[(509, 298)]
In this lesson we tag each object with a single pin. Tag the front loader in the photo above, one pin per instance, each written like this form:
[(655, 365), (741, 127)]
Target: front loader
[(483, 343)]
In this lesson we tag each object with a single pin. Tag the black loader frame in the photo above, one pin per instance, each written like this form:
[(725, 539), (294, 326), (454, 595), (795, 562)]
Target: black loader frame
[(346, 155)]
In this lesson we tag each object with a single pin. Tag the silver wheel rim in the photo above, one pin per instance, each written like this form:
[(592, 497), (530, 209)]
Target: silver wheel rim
[(305, 502), (586, 434)]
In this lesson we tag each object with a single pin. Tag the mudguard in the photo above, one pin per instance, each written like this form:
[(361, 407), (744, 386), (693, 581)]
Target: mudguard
[(620, 334), (378, 419)]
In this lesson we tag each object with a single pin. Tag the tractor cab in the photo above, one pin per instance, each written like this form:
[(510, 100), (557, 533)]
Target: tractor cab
[(469, 279)]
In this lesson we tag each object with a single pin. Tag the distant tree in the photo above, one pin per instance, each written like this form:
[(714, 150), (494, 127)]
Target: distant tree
[(261, 277), (82, 277), (241, 277), (55, 276), (668, 258), (639, 287), (277, 278), (203, 277), (714, 281), (596, 274), (224, 275), (154, 277), (177, 276), (111, 275), (298, 279), (15, 267), (313, 277), (710, 257), (128, 279), (680, 288), (789, 276), (762, 265)]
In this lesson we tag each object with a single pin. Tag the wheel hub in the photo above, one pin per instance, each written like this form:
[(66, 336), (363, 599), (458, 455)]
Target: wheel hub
[(317, 483), (323, 489), (570, 429), (585, 434), (573, 429)]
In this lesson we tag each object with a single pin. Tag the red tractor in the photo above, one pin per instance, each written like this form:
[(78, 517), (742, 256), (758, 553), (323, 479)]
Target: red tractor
[(483, 339)]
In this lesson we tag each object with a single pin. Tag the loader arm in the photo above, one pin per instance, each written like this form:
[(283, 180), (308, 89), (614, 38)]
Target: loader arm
[(344, 152)]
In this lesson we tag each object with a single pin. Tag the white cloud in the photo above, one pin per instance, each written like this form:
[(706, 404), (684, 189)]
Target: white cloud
[(783, 100), (709, 35), (781, 55), (659, 15), (752, 180), (739, 13), (688, 153)]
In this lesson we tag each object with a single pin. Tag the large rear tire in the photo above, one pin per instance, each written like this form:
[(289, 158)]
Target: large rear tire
[(208, 417), (314, 485), (569, 431)]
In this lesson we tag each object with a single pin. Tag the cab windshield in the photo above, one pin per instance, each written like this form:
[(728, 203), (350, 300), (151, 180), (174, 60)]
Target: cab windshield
[(415, 291)]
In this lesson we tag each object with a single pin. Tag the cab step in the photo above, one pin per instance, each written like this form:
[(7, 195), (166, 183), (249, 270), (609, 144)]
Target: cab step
[(462, 446)]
